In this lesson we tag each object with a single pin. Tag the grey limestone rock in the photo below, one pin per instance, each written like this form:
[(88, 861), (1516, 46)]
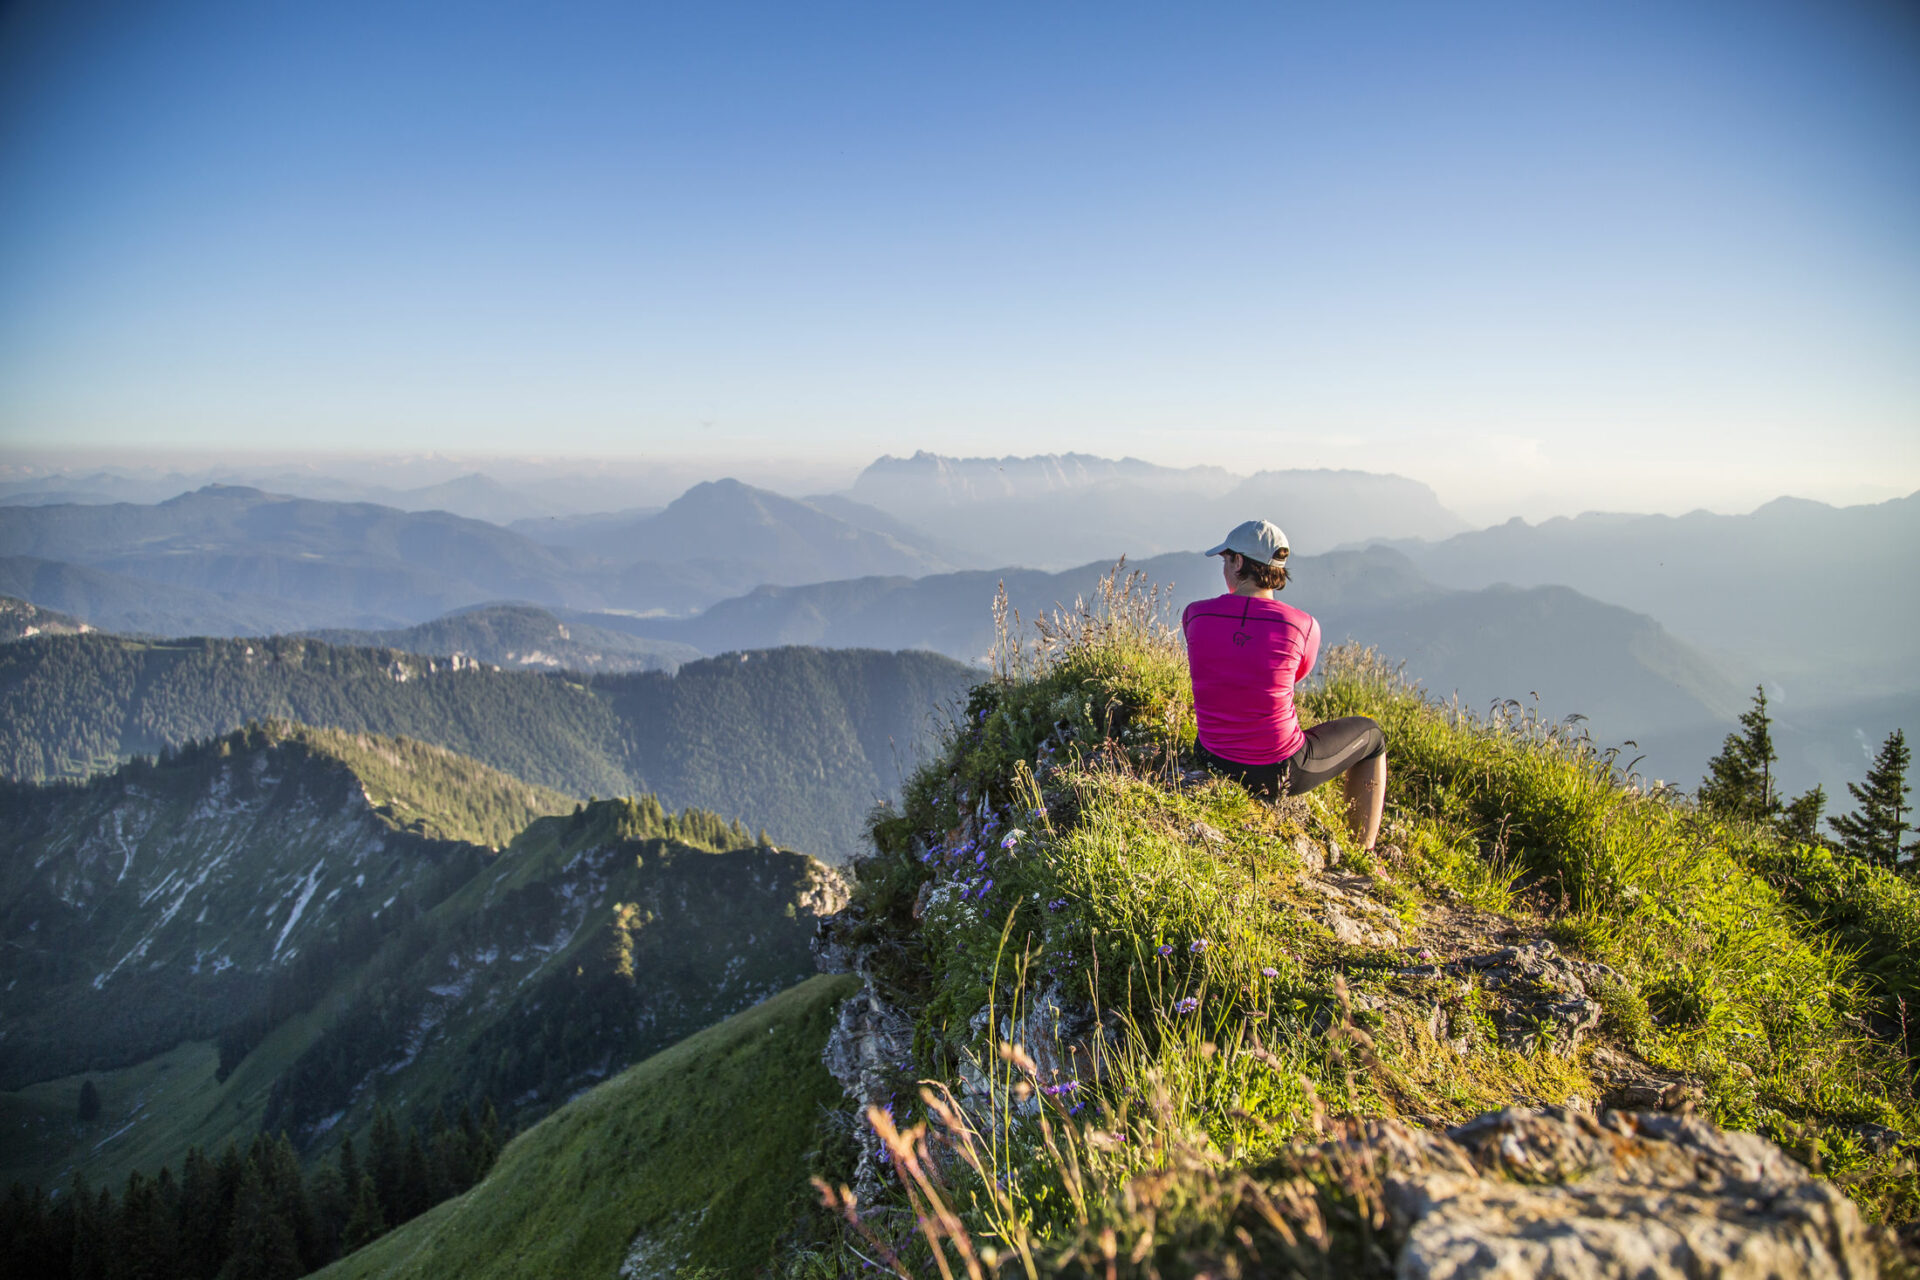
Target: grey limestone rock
[(1521, 1193)]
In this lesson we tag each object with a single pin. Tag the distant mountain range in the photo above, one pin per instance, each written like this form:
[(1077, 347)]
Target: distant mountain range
[(741, 534), (1055, 511), (1814, 597), (1797, 593), (800, 741), (228, 560), (1621, 669)]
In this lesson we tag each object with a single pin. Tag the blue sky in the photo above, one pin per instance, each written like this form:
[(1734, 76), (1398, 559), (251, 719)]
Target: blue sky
[(1544, 256)]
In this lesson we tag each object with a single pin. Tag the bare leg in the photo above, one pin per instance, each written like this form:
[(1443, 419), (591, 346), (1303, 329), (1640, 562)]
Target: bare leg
[(1366, 785)]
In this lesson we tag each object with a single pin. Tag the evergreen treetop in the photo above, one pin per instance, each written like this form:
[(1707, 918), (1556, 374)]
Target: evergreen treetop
[(1872, 832), (1739, 781)]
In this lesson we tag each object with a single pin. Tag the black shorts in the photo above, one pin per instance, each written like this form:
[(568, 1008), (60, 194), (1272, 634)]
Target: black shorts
[(1332, 748)]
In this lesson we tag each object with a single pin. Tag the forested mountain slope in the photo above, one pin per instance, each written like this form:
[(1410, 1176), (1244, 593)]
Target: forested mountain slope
[(260, 892), (159, 903), (798, 741)]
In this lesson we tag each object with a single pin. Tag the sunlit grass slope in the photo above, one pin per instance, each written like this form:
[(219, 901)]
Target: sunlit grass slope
[(431, 790), (695, 1159), (1056, 861)]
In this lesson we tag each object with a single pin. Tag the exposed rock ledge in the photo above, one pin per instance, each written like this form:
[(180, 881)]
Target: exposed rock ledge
[(1521, 1193)]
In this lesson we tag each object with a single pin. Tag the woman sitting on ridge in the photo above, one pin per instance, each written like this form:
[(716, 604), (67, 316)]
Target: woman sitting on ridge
[(1246, 651)]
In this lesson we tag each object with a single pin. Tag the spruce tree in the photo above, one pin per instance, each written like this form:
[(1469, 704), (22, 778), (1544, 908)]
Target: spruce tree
[(384, 1163), (1872, 831), (1799, 822), (264, 1247), (201, 1248), (365, 1222), (89, 1101), (1739, 781)]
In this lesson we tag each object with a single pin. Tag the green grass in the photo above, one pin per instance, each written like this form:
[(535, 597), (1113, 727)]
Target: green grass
[(701, 1151), (432, 790), (151, 1112), (1053, 853)]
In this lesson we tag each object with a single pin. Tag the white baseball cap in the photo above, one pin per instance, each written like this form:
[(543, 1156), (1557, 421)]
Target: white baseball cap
[(1259, 540)]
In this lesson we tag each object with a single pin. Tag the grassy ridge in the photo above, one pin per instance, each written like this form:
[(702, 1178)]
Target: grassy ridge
[(433, 791), (1054, 861), (698, 1155)]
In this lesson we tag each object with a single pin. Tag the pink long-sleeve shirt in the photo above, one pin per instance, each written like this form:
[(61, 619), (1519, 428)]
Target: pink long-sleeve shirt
[(1245, 654)]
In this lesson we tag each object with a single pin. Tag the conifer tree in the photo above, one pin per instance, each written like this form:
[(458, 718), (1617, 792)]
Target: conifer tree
[(289, 1191), (264, 1247), (89, 1101), (330, 1202), (1872, 831), (89, 1261), (199, 1216), (488, 1147), (364, 1223), (416, 1181), (144, 1234), (1799, 822), (349, 1167), (384, 1163), (1739, 781)]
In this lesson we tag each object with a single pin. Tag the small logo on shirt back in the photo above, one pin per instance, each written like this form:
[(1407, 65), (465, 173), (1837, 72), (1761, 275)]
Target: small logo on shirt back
[(1239, 637)]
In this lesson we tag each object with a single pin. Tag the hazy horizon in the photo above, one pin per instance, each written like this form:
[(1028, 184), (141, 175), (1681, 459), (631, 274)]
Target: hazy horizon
[(1544, 260), (658, 479)]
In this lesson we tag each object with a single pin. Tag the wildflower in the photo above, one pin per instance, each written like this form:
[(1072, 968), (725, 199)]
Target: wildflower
[(1056, 904), (1270, 972), (1424, 955), (1187, 1004), (1199, 946), (1055, 1090), (983, 888), (1165, 948), (1012, 838)]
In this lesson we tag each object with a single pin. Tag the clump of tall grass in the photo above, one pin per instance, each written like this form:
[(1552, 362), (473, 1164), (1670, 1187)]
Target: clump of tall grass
[(1054, 856)]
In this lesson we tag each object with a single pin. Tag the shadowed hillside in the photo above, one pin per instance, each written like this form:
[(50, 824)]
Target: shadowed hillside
[(798, 741)]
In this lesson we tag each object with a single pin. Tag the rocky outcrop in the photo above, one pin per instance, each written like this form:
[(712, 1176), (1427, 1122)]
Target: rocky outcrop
[(1520, 1193), (1541, 998)]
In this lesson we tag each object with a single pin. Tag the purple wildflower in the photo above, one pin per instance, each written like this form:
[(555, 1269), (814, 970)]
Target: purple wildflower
[(1187, 1004), (1056, 904), (1270, 972), (1165, 948), (1199, 946), (1055, 1090), (983, 888)]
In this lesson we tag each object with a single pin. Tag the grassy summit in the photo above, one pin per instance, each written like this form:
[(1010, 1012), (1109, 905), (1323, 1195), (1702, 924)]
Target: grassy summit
[(1137, 988)]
